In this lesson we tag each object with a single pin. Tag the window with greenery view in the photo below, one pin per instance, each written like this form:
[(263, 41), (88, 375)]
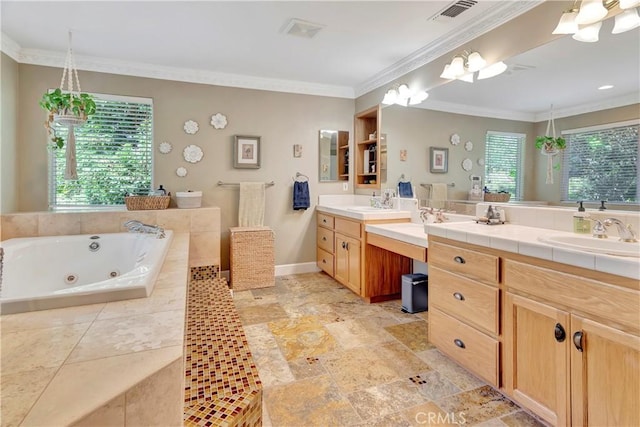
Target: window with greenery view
[(503, 162), (601, 163), (114, 154)]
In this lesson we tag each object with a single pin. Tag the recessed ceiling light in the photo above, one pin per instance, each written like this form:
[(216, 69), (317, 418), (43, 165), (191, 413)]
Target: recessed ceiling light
[(605, 87)]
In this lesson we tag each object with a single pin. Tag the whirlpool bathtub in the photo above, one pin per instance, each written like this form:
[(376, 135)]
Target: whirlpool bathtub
[(40, 273)]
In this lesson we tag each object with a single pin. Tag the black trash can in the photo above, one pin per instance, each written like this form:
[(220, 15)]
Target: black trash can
[(414, 292)]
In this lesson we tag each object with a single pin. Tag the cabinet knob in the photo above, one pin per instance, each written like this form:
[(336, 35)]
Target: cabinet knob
[(459, 259), (324, 261), (324, 239), (559, 333), (324, 220), (577, 341), (459, 343), (458, 296), (344, 245)]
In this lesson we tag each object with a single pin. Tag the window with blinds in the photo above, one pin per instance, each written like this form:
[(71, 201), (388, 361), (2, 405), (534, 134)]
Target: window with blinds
[(601, 163), (503, 162), (114, 154)]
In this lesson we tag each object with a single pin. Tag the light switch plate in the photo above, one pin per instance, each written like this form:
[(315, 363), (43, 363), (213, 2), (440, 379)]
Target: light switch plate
[(345, 186)]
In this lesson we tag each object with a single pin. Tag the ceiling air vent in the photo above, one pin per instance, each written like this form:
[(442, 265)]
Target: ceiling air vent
[(453, 10), (300, 28)]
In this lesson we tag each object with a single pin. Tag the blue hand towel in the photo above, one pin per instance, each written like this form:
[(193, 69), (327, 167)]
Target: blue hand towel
[(301, 199), (405, 189)]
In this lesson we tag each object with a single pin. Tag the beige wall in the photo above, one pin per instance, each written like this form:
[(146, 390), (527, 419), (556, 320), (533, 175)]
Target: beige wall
[(281, 119), (8, 144), (416, 129), (551, 192)]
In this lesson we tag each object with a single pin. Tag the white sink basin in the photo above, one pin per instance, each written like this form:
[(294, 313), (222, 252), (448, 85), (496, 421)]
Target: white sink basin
[(611, 246)]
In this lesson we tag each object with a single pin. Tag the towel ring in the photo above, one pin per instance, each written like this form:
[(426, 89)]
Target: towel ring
[(300, 175)]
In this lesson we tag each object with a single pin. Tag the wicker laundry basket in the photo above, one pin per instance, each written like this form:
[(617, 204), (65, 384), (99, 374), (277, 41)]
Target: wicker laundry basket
[(252, 257)]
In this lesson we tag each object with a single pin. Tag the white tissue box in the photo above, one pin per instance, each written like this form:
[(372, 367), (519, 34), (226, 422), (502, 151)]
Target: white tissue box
[(189, 199)]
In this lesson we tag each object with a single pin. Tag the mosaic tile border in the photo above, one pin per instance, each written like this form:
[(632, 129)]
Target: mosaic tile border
[(222, 386), (205, 272)]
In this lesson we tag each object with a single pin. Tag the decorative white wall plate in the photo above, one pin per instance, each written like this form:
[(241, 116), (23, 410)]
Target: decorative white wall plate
[(481, 161), (468, 145), (455, 139), (192, 153), (181, 172), (467, 164), (165, 147), (191, 127), (219, 121)]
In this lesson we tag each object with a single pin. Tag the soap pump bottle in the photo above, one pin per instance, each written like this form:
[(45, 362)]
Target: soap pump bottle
[(581, 222)]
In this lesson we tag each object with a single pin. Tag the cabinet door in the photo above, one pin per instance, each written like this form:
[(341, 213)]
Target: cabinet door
[(347, 262), (536, 362), (605, 375)]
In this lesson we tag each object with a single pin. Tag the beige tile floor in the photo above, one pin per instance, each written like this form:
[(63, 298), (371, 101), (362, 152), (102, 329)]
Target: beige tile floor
[(326, 358)]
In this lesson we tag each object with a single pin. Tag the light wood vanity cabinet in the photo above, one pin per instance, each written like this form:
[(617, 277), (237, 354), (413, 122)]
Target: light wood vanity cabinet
[(584, 334), (566, 339), (341, 249), (464, 307)]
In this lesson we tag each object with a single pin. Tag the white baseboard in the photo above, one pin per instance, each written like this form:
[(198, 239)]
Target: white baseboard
[(304, 267), (286, 269)]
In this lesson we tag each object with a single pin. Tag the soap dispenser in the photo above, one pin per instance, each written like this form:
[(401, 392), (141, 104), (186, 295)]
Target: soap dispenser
[(581, 222)]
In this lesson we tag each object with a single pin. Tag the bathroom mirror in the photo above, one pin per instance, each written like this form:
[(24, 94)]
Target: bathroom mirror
[(333, 155), (512, 98)]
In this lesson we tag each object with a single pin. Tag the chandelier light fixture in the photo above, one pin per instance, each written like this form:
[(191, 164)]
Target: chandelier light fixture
[(402, 95), (464, 65), (584, 22)]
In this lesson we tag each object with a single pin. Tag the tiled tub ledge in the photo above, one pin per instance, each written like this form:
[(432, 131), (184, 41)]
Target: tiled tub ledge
[(117, 363), (222, 384)]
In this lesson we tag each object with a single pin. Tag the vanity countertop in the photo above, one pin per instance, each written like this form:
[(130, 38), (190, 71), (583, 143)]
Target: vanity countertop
[(518, 239), (363, 213)]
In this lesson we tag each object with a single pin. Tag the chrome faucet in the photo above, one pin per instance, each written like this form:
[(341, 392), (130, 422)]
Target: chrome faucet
[(135, 226), (624, 231)]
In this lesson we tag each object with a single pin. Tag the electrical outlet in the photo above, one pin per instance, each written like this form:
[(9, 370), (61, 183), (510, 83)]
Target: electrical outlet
[(345, 186)]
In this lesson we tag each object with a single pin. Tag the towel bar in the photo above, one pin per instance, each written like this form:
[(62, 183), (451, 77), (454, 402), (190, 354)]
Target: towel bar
[(237, 184)]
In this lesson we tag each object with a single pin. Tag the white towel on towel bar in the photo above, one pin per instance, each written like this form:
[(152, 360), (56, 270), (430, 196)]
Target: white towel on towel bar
[(438, 195), (251, 204)]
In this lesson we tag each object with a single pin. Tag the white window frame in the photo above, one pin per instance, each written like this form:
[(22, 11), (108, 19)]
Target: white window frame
[(522, 138), (53, 205)]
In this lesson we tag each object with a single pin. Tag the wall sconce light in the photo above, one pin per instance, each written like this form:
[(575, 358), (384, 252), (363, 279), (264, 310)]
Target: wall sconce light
[(463, 66), (585, 22), (402, 95)]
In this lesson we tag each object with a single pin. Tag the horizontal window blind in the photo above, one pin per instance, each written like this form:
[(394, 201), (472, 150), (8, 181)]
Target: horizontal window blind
[(503, 162), (114, 154), (602, 164)]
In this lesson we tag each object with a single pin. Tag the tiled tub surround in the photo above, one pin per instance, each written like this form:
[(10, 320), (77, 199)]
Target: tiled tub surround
[(203, 224), (117, 363)]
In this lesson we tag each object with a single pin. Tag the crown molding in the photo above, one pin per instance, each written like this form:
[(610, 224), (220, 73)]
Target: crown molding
[(138, 69), (606, 104), (9, 47), (470, 110), (496, 16)]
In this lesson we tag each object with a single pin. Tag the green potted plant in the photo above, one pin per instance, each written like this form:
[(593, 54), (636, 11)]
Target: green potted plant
[(550, 144), (66, 108)]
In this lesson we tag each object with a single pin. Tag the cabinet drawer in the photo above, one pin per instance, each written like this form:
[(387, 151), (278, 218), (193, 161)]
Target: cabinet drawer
[(465, 299), (469, 347), (325, 261), (325, 239), (350, 228), (476, 265), (325, 220)]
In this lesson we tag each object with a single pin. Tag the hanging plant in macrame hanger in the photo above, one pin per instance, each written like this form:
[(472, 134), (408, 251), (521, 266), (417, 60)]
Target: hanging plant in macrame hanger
[(69, 108), (550, 145)]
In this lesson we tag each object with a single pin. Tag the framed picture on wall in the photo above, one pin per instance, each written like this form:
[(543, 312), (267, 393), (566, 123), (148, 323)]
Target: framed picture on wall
[(438, 160), (246, 152)]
